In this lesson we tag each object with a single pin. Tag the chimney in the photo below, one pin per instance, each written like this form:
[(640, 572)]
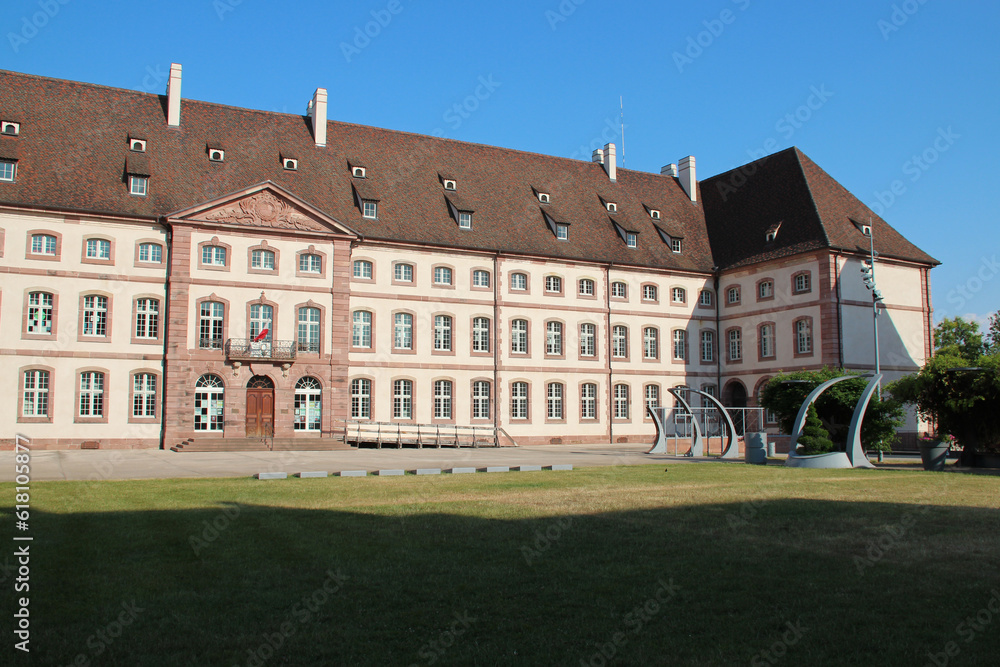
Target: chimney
[(669, 170), (174, 96), (610, 162), (317, 112), (598, 156), (687, 177)]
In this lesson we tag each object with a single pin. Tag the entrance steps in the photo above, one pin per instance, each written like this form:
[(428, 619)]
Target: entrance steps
[(261, 445)]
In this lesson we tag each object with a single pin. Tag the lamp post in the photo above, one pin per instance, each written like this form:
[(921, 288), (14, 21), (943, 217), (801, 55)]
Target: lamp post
[(868, 271)]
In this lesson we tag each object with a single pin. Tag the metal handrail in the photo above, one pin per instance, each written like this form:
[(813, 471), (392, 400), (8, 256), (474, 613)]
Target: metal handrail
[(399, 433), (247, 349)]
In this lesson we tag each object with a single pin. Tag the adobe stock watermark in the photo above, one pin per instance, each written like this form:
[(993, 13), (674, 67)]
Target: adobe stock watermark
[(795, 120), (212, 530), (774, 653), (30, 25), (970, 628), (989, 268), (565, 9), (545, 540), (633, 622), (462, 110), (899, 17), (103, 638), (915, 167), (363, 35), (749, 509), (223, 7), (699, 43), (610, 131), (432, 651)]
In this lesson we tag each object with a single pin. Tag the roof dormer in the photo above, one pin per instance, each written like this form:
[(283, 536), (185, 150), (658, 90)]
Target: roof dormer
[(9, 128)]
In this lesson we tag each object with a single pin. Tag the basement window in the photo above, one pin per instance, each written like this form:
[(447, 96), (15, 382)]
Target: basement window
[(10, 128)]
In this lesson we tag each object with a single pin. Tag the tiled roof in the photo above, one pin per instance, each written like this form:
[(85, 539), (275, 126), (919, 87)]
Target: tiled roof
[(73, 155), (787, 193)]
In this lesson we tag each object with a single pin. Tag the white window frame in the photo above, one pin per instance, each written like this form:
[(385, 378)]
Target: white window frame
[(35, 396), (650, 343), (680, 345), (443, 275), (147, 318), (553, 338), (98, 249), (369, 209), (444, 326), (310, 263), (619, 341), (403, 272), (144, 395), (147, 251), (585, 287), (138, 185), (402, 399), (308, 405), (554, 392), (402, 331), (363, 269), (481, 399), (361, 329), (91, 402), (308, 333), (361, 398), (519, 400), (95, 316), (588, 340), (588, 400), (212, 254), (480, 334), (519, 281), (443, 392), (480, 278), (8, 170), (519, 336)]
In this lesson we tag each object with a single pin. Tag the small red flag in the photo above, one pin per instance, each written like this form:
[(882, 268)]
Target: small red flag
[(262, 335)]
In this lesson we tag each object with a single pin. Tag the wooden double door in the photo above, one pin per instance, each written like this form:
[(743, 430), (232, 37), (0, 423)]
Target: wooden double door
[(260, 407)]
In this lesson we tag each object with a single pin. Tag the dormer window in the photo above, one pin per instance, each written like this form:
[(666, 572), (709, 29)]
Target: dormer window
[(562, 231), (772, 232), (216, 155), (358, 172), (654, 214), (612, 207), (10, 128), (138, 185), (137, 145), (465, 219), (544, 198), (8, 169), (369, 209), (866, 230), (290, 164), (449, 185), (770, 236), (675, 245)]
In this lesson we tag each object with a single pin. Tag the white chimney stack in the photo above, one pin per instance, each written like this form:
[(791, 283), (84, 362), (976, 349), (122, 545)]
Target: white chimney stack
[(174, 96), (687, 177), (317, 112), (610, 162), (598, 156), (669, 170)]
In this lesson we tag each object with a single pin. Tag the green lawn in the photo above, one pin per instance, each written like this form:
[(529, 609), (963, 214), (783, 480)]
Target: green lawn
[(707, 564)]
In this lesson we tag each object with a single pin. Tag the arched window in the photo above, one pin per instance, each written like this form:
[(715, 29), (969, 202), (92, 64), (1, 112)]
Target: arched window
[(261, 318), (361, 399), (442, 399), (308, 404), (480, 399), (309, 329), (209, 402), (519, 400)]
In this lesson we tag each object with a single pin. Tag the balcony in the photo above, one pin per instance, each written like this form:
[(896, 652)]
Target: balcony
[(246, 349)]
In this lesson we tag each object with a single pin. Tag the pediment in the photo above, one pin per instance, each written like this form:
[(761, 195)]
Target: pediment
[(262, 206)]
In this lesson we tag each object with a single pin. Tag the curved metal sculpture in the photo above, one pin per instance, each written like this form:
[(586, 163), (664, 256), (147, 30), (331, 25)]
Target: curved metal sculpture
[(855, 455), (697, 446), (660, 446), (728, 452)]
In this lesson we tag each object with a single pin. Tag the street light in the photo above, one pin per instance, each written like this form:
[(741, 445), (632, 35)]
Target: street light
[(868, 273)]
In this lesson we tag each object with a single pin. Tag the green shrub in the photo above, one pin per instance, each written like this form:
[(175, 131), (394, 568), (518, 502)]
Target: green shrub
[(814, 438)]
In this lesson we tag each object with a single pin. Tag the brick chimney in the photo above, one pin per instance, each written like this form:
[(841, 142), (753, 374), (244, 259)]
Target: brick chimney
[(174, 96), (317, 112), (687, 177)]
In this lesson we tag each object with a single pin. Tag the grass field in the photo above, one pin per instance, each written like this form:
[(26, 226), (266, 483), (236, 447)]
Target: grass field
[(707, 564)]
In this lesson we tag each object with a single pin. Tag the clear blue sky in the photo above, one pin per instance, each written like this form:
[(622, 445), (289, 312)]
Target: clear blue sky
[(887, 81)]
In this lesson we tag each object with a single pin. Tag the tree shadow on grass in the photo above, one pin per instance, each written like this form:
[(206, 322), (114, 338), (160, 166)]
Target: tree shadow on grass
[(807, 581)]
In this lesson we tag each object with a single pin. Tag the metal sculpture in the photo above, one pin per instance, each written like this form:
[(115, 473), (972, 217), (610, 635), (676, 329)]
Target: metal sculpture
[(728, 452), (855, 455)]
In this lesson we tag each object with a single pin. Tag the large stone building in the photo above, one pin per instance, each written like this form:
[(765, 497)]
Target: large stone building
[(174, 269)]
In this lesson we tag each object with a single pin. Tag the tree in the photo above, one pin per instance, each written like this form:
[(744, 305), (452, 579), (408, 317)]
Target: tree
[(959, 337), (815, 439), (993, 335), (784, 395)]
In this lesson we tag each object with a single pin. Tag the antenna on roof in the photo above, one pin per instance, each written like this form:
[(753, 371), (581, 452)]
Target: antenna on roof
[(621, 102)]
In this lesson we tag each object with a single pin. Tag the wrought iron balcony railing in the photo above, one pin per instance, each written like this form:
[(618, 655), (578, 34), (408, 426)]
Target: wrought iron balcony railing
[(245, 349)]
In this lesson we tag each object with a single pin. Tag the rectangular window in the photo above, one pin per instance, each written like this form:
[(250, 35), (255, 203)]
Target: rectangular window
[(734, 295), (678, 295), (144, 395), (553, 284), (621, 408), (363, 269), (586, 287), (403, 331), (803, 337), (554, 400), (40, 311), (708, 346), (261, 322), (138, 185), (765, 290), (147, 318), (361, 334), (649, 293), (151, 253), (442, 333), (464, 220), (680, 345), (651, 343), (553, 338), (619, 342), (480, 334), (35, 401), (588, 340), (705, 298), (309, 319), (562, 231), (630, 239), (210, 325), (402, 399), (735, 345), (361, 399), (652, 397), (803, 283), (588, 401), (480, 400), (619, 290), (8, 168), (480, 278), (519, 400), (98, 249), (519, 337), (442, 399), (213, 255), (767, 340), (370, 209), (309, 263), (43, 244), (518, 281), (262, 260), (403, 273), (442, 275), (91, 394), (95, 316), (675, 245)]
